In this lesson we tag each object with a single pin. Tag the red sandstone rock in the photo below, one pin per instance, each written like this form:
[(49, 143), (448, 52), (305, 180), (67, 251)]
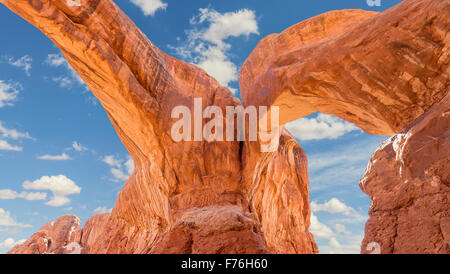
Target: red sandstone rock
[(138, 85), (380, 71), (408, 180), (52, 238)]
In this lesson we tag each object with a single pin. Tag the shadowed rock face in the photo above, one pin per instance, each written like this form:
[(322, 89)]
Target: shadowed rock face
[(380, 71)]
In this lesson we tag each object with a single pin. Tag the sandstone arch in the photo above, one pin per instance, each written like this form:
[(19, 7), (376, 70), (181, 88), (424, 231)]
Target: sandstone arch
[(205, 193), (379, 71)]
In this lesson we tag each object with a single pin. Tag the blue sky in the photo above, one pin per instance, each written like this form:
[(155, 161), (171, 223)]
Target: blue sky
[(59, 154)]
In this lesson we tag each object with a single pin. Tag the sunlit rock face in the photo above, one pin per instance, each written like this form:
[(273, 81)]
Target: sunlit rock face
[(379, 71), (408, 181), (59, 237), (139, 85)]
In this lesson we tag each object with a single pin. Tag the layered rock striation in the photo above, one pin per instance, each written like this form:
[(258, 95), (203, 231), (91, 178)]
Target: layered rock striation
[(380, 71)]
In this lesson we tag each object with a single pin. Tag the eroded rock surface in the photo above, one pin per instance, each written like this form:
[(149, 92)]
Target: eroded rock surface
[(58, 237), (139, 85), (408, 181), (379, 71)]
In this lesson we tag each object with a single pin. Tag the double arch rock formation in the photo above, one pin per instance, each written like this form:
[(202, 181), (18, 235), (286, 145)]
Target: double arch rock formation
[(386, 72)]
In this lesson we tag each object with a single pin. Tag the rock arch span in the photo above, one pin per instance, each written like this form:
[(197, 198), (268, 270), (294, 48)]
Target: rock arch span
[(227, 197)]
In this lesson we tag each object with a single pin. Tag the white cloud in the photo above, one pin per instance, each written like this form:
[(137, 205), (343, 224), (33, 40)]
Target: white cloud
[(12, 133), (335, 206), (23, 62), (149, 7), (60, 186), (129, 164), (341, 229), (322, 127), (119, 174), (8, 93), (206, 47), (102, 209), (64, 81), (335, 247), (56, 60), (120, 170), (62, 157), (4, 145), (112, 161), (79, 147), (8, 194), (333, 239), (320, 230), (7, 220), (10, 243)]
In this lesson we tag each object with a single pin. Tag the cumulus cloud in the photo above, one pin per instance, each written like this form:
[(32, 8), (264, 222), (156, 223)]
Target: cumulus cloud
[(8, 93), (149, 7), (207, 47), (10, 243), (8, 194), (120, 170), (102, 209), (7, 220), (67, 80), (330, 241), (60, 186), (335, 206), (320, 230), (78, 147), (23, 62), (322, 127), (61, 157)]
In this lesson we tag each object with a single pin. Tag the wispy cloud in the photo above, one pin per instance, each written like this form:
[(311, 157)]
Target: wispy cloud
[(24, 62), (78, 147), (4, 145), (8, 194), (206, 46), (8, 221), (102, 209), (8, 93), (120, 170), (67, 80), (13, 133), (61, 157)]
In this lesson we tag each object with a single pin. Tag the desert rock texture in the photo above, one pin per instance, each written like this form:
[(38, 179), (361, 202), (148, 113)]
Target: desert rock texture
[(386, 72)]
